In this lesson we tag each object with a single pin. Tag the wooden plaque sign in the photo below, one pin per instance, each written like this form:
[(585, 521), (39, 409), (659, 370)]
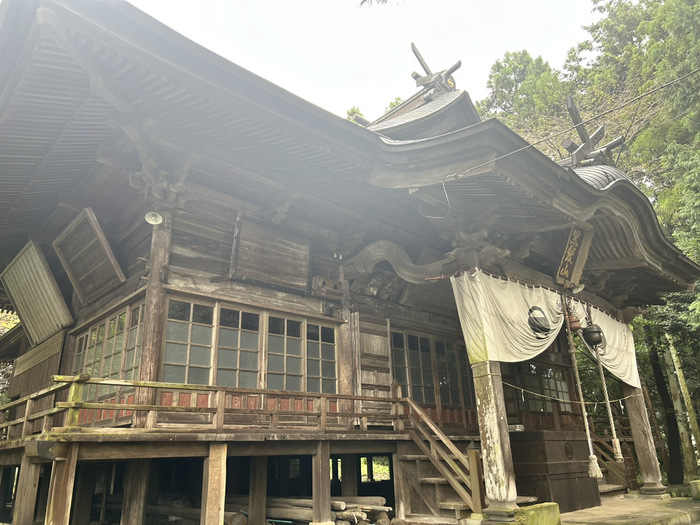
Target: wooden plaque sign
[(575, 256)]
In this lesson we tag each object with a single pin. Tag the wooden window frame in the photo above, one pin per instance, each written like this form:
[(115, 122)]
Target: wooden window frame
[(466, 391), (264, 351)]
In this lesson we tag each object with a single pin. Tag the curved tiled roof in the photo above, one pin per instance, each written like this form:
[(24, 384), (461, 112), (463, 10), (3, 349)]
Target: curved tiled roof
[(601, 176)]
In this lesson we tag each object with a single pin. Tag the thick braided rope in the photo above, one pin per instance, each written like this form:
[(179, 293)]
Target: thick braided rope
[(593, 468)]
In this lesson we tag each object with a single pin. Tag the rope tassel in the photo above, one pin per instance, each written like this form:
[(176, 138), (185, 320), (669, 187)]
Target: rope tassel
[(593, 468)]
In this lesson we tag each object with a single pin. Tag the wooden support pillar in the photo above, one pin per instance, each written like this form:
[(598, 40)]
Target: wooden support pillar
[(214, 485), (154, 315), (321, 484), (25, 495), (643, 442), (257, 500), (61, 487), (43, 492), (135, 492), (84, 489), (349, 468), (495, 441)]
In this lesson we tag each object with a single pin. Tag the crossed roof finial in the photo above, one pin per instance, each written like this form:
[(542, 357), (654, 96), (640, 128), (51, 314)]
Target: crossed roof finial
[(583, 154), (440, 81)]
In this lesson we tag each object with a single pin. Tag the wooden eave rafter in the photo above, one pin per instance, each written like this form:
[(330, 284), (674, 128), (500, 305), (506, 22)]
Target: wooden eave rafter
[(164, 52)]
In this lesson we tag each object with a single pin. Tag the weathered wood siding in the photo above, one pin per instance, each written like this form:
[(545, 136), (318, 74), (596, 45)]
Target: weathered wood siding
[(33, 370), (265, 254), (87, 257), (199, 246), (31, 286)]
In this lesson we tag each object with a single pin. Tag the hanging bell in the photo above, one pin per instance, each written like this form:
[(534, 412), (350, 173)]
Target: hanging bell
[(593, 335), (574, 322)]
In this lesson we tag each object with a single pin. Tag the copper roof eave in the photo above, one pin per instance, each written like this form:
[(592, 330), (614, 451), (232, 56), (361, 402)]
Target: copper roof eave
[(474, 151)]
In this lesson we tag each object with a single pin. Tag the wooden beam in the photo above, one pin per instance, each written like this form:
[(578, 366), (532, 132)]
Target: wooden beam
[(257, 502), (26, 493), (61, 487), (321, 483), (214, 486), (135, 492), (104, 451)]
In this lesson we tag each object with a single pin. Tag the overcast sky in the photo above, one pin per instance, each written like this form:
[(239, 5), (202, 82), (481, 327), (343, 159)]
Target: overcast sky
[(336, 54)]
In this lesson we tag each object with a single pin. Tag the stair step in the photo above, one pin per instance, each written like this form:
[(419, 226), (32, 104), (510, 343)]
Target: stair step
[(420, 457), (426, 519), (609, 491), (453, 504), (434, 481)]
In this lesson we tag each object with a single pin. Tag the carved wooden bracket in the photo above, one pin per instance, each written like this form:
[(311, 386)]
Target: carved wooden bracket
[(365, 261)]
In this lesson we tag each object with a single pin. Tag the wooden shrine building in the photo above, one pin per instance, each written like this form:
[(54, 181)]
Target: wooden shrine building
[(232, 300)]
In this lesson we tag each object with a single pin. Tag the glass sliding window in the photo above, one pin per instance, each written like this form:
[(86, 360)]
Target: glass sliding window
[(421, 369), (448, 373), (110, 349), (112, 353), (554, 384), (238, 351), (320, 359), (466, 379), (284, 355), (132, 352), (412, 358), (188, 343)]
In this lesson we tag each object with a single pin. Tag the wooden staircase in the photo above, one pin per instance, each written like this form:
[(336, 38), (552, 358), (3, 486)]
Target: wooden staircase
[(442, 482)]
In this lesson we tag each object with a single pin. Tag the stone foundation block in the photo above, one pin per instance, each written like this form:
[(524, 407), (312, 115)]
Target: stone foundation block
[(541, 514), (695, 489)]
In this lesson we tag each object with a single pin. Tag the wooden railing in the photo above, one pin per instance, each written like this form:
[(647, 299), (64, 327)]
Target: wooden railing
[(196, 407), (464, 474), (602, 445)]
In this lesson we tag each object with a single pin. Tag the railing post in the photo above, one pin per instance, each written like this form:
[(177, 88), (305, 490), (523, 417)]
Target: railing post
[(323, 419), (75, 398), (220, 409), (28, 408), (397, 408)]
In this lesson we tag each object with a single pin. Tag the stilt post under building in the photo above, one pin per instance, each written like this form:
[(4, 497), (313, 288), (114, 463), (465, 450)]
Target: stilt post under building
[(257, 502), (25, 496), (214, 486), (321, 483)]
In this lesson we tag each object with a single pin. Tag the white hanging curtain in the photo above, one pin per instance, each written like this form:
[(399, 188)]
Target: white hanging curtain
[(617, 349), (505, 320)]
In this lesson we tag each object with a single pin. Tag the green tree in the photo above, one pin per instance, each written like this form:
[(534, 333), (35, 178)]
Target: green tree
[(638, 74), (396, 102), (529, 96)]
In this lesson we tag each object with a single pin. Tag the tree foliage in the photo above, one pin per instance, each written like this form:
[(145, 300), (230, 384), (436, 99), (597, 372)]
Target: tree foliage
[(637, 73)]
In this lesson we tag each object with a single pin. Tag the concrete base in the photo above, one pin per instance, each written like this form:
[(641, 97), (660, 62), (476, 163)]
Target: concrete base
[(695, 489), (541, 514)]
